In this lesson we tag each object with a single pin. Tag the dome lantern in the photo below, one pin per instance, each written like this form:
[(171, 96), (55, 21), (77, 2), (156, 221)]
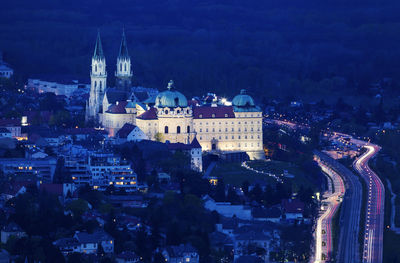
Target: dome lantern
[(171, 98)]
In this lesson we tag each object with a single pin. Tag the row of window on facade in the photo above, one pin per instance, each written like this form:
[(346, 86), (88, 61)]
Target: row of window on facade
[(178, 129), (226, 129), (226, 115), (233, 137), (5, 73), (226, 123), (177, 111), (226, 146)]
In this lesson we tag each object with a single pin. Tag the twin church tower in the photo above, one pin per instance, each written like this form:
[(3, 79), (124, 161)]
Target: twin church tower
[(98, 77)]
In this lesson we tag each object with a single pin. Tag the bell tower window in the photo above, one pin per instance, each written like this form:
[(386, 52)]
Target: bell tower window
[(188, 129), (166, 129)]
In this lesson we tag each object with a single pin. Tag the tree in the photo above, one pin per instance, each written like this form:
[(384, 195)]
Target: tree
[(219, 195), (78, 207), (159, 137), (61, 173)]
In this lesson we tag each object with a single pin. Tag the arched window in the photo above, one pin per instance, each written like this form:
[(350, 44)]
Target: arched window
[(101, 84), (188, 129), (176, 101), (95, 68), (178, 129), (166, 129), (95, 84), (125, 66), (120, 67)]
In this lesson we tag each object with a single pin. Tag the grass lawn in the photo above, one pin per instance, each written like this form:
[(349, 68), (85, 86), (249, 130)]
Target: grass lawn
[(233, 173)]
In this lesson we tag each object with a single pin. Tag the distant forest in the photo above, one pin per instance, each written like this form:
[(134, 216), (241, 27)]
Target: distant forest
[(310, 49)]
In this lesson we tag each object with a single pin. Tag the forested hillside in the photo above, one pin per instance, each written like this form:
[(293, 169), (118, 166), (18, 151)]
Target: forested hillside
[(279, 47)]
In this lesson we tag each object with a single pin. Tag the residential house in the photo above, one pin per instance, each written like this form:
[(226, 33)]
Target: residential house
[(107, 169), (184, 253), (42, 168), (292, 209), (227, 209), (193, 150), (4, 133), (272, 214), (13, 125), (127, 257), (86, 243), (130, 133), (11, 230)]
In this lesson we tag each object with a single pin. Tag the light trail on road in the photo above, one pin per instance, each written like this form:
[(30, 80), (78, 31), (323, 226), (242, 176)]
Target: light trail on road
[(324, 222), (373, 235)]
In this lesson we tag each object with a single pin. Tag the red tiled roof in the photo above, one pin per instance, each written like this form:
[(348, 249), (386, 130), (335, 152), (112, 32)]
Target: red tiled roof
[(150, 114), (292, 205), (207, 112), (118, 108), (125, 130)]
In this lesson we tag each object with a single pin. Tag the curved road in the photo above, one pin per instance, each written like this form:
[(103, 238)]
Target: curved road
[(374, 219), (324, 222), (348, 247)]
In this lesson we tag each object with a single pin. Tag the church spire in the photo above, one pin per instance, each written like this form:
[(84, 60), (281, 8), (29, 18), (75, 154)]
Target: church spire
[(98, 50), (123, 49)]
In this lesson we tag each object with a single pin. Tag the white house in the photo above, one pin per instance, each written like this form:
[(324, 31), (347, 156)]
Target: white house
[(5, 70), (293, 209), (227, 209), (181, 254), (193, 150), (86, 243), (130, 132), (10, 230), (4, 133)]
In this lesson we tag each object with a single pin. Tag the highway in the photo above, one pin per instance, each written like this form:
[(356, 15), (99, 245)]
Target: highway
[(323, 233), (348, 247), (374, 219)]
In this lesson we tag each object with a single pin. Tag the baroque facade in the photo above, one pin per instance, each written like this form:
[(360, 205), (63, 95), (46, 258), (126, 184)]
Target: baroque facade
[(170, 116)]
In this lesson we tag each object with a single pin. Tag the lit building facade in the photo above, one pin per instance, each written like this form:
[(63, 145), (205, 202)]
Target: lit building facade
[(107, 169), (217, 127)]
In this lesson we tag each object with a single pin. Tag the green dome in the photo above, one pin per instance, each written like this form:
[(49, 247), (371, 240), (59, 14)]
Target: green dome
[(171, 98), (243, 100)]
